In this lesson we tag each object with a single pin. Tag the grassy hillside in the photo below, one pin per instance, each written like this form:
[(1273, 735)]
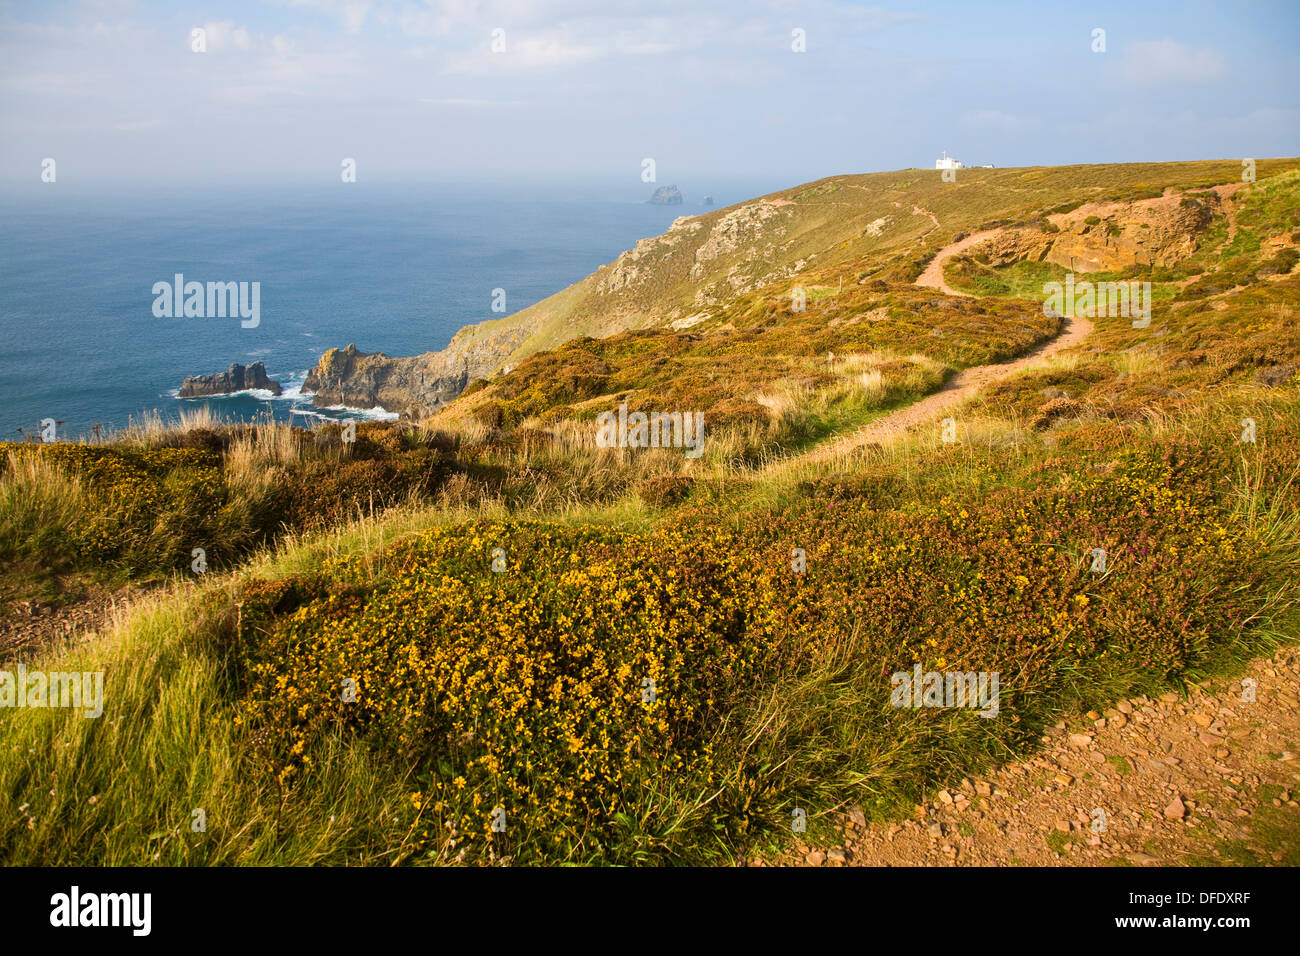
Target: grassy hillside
[(617, 652), (700, 266)]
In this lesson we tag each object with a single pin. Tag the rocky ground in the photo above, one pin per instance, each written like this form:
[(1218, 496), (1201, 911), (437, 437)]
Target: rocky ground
[(29, 626), (1210, 777)]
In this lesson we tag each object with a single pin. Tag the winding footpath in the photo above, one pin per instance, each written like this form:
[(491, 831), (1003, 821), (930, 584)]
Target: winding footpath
[(932, 277), (1208, 776), (961, 386)]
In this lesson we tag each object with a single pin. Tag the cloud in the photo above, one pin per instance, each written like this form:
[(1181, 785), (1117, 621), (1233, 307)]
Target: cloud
[(474, 104), (1168, 61), (351, 14), (55, 84), (568, 45), (552, 35)]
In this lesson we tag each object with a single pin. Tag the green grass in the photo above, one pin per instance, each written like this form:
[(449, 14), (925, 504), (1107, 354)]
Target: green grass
[(172, 708), (1120, 764), (1274, 838), (1058, 840)]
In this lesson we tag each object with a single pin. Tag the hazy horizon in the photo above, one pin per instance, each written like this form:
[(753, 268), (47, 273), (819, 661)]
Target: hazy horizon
[(581, 93)]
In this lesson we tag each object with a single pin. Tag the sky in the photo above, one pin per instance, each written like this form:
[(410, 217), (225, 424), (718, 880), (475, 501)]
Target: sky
[(584, 91)]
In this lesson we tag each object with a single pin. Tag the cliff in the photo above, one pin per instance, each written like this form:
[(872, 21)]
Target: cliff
[(416, 386), (237, 378), (692, 275)]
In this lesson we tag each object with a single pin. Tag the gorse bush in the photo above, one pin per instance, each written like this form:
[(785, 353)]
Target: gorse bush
[(745, 354), (138, 506), (525, 690), (551, 688), (141, 510)]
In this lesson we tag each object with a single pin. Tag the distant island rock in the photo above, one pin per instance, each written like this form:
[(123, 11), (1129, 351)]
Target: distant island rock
[(666, 196), (708, 201), (237, 378)]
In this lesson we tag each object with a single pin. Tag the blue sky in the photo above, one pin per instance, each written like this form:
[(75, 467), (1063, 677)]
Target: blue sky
[(586, 89)]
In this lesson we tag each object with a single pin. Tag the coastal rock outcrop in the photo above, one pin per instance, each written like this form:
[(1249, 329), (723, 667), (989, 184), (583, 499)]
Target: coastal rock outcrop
[(416, 386), (237, 378), (1099, 237)]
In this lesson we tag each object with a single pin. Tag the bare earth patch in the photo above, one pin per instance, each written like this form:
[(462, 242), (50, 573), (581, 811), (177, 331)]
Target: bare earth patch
[(31, 626), (1209, 778)]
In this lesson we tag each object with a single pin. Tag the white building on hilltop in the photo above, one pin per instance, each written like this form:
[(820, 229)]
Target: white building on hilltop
[(947, 162)]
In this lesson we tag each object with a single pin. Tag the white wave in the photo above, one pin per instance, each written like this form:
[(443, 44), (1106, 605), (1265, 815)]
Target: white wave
[(346, 413), (292, 391), (376, 414), (310, 413)]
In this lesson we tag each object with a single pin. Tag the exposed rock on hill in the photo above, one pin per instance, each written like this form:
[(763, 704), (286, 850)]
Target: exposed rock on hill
[(1099, 237), (237, 378)]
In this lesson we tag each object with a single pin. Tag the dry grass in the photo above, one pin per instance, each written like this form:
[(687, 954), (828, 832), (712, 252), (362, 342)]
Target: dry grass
[(1135, 361), (38, 504), (256, 457), (152, 429)]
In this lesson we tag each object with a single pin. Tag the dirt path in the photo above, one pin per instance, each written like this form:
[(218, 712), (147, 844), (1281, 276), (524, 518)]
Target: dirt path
[(29, 627), (1206, 778), (960, 387), (918, 211), (932, 277), (1212, 777), (1226, 194)]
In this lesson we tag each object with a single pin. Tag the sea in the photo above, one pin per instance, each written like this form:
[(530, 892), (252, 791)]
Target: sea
[(396, 270)]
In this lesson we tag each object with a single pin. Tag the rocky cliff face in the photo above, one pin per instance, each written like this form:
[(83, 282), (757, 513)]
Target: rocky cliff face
[(416, 386), (620, 295), (237, 378)]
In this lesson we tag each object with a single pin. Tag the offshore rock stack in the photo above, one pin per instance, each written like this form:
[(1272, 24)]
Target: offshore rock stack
[(666, 196), (237, 378)]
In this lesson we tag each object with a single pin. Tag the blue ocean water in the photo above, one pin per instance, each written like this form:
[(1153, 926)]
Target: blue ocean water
[(396, 271)]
